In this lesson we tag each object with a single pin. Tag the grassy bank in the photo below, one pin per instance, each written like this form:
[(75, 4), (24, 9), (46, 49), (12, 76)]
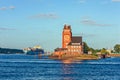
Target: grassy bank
[(81, 57), (76, 57)]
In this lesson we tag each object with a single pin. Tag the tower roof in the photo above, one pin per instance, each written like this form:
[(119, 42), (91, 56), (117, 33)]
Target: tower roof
[(67, 26)]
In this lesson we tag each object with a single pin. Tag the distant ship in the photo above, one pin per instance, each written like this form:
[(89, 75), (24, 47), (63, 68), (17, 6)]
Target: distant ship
[(36, 50)]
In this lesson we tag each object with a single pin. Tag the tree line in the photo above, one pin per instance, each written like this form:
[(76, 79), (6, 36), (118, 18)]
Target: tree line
[(10, 51), (86, 49)]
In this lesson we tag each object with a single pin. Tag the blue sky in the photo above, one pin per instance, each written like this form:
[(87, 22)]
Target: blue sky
[(25, 23)]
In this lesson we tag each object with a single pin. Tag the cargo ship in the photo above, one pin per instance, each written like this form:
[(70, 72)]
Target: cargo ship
[(36, 50)]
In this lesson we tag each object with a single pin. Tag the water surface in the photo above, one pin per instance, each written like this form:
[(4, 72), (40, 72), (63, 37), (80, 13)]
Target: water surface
[(26, 67)]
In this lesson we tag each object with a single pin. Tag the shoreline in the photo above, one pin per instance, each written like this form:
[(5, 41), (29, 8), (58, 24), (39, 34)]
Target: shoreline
[(114, 55), (79, 57), (83, 57)]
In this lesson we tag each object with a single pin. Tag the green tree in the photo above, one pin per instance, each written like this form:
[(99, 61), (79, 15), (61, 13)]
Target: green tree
[(117, 48), (85, 47), (98, 50), (92, 50), (104, 51)]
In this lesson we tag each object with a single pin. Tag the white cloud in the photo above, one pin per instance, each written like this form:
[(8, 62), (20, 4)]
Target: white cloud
[(49, 15), (85, 35), (12, 7), (81, 1), (6, 8), (3, 8), (2, 28), (90, 22)]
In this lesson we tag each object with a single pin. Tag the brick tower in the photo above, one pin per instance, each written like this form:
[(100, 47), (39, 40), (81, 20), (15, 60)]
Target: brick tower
[(66, 36)]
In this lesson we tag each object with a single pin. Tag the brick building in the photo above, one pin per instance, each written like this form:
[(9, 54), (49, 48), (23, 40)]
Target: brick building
[(70, 44)]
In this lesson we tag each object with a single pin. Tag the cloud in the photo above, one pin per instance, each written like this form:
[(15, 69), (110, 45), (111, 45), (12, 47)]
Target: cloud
[(85, 35), (6, 8), (89, 22), (3, 8), (115, 0), (47, 16), (81, 1), (12, 7), (1, 28)]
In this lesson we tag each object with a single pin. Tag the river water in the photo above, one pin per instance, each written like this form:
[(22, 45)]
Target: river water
[(26, 67)]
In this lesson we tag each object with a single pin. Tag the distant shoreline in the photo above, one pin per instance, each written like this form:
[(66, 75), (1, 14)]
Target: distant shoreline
[(10, 51)]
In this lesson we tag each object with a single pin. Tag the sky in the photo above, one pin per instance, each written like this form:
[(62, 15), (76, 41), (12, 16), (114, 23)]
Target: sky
[(26, 23)]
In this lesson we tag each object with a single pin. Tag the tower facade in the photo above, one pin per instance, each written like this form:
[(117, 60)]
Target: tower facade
[(66, 36), (71, 45)]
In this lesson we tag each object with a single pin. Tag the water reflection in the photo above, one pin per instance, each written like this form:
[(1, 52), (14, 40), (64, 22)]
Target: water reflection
[(67, 61), (70, 61), (68, 68), (67, 72)]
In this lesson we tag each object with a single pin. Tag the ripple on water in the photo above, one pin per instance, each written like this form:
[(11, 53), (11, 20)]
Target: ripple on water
[(47, 69)]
